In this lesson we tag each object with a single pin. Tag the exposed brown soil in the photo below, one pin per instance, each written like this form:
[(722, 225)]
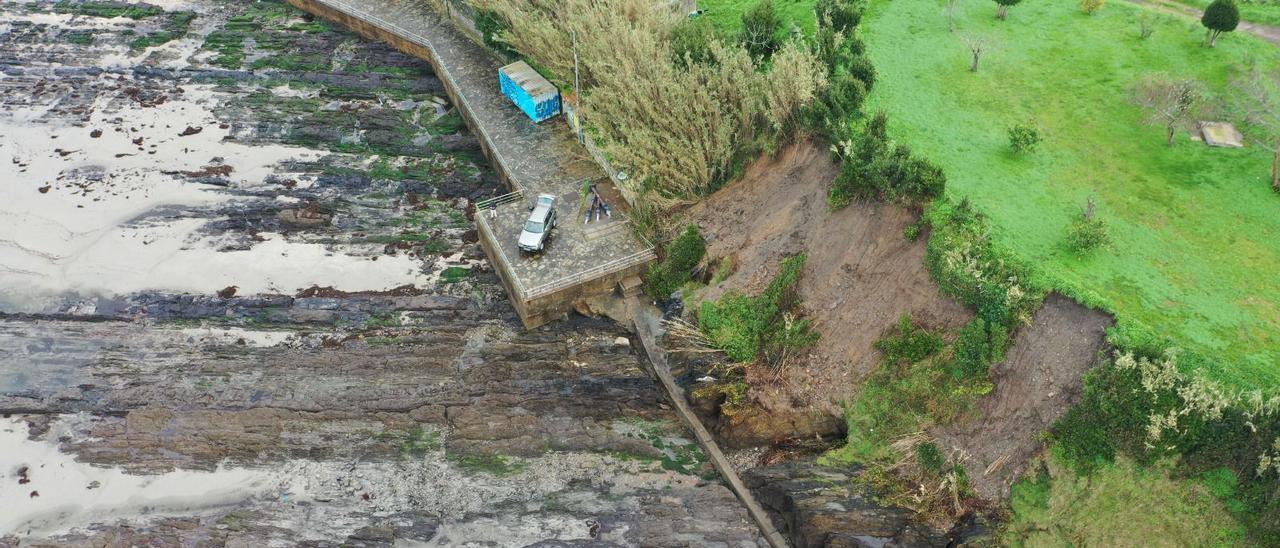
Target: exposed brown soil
[(861, 276), (1034, 386)]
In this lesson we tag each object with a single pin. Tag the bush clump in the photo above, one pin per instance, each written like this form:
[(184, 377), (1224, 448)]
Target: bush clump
[(876, 168), (929, 457), (916, 386), (682, 255), (761, 30), (747, 328), (1140, 405), (979, 345), (910, 344), (691, 42), (1087, 233), (491, 27), (966, 264), (1023, 138)]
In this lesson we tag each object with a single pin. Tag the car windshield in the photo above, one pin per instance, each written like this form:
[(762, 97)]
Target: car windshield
[(533, 226)]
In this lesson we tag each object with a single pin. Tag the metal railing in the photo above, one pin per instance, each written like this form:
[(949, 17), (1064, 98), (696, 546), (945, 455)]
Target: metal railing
[(499, 200)]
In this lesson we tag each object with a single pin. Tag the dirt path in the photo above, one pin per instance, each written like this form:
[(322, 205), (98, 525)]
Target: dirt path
[(1265, 32)]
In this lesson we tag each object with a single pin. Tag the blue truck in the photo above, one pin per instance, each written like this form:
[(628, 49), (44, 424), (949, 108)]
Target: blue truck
[(529, 91)]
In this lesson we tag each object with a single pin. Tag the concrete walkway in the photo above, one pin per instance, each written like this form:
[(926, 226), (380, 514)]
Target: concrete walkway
[(648, 328)]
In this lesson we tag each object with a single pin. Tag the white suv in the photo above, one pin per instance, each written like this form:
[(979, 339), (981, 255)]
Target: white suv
[(537, 229)]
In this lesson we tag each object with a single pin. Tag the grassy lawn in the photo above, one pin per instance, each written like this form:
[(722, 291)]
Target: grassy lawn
[(1196, 230), (726, 15), (1121, 505), (1266, 14)]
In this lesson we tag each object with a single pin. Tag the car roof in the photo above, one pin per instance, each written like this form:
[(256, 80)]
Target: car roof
[(543, 208)]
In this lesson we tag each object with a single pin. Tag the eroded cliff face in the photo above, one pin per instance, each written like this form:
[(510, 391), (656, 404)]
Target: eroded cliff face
[(861, 275), (243, 304)]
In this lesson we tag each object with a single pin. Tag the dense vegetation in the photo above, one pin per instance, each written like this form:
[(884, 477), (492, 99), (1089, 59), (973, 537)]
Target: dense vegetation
[(767, 326), (681, 125), (682, 255)]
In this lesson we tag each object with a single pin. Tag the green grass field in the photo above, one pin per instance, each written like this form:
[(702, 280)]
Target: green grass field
[(1121, 504), (1255, 11), (1196, 230)]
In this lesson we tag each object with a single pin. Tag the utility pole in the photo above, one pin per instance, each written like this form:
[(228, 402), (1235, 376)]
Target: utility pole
[(577, 89)]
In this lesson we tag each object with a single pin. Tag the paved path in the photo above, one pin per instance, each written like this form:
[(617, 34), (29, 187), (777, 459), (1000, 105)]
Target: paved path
[(647, 326), (1265, 32)]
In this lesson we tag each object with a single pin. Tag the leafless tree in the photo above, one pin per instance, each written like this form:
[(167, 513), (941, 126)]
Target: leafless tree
[(952, 8), (1255, 94), (978, 45), (1169, 102)]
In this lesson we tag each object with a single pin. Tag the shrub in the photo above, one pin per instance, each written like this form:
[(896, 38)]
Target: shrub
[(761, 29), (491, 27), (930, 458), (682, 255), (861, 68), (913, 230), (1087, 233), (1023, 137), (1090, 7), (875, 168), (746, 328), (691, 41), (967, 265), (1002, 7), (909, 344), (913, 388), (837, 108), (979, 345), (1221, 16), (843, 15)]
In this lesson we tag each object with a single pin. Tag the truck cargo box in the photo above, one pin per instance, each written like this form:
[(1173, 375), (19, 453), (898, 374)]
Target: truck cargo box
[(529, 91)]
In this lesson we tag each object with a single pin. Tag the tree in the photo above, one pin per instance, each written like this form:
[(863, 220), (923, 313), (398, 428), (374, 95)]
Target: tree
[(1221, 16), (760, 29), (842, 15), (1087, 231), (691, 41), (951, 8), (978, 44), (1169, 102), (1256, 94), (1002, 7)]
